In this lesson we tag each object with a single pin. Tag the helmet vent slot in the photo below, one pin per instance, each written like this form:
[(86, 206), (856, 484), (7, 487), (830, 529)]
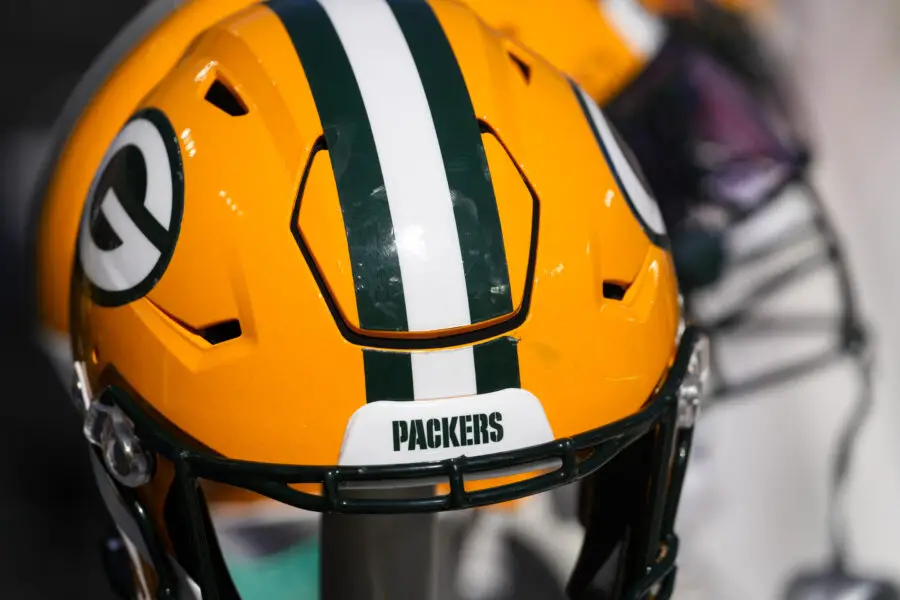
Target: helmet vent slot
[(221, 332), (524, 68), (213, 334), (614, 290), (223, 97)]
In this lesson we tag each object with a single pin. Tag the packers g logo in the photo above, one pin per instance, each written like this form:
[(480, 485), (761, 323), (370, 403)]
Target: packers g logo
[(133, 211)]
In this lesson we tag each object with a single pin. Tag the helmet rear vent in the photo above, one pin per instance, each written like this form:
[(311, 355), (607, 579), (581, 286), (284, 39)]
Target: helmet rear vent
[(223, 97)]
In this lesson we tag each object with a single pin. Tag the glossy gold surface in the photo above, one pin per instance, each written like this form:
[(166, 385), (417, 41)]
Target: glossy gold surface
[(574, 35), (285, 389)]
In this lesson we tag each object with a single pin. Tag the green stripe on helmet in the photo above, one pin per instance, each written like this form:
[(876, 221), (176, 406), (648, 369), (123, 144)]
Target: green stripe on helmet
[(388, 375), (465, 161), (497, 365), (357, 170)]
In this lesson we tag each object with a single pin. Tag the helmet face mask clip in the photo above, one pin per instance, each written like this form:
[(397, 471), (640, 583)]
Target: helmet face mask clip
[(106, 427)]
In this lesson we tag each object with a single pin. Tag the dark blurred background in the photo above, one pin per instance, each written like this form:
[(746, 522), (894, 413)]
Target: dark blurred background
[(51, 518)]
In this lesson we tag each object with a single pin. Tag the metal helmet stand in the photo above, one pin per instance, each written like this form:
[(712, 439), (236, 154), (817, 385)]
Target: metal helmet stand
[(380, 557)]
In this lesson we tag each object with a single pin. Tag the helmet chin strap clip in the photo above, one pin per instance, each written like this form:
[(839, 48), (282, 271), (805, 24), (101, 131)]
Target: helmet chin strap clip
[(107, 428)]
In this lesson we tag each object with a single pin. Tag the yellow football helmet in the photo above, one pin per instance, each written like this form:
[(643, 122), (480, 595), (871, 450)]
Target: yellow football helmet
[(605, 45), (308, 247), (601, 45)]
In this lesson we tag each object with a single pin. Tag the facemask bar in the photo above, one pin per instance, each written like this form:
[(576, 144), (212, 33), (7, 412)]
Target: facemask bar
[(648, 567), (578, 456), (658, 542), (669, 479), (660, 578), (187, 476), (167, 587), (852, 338)]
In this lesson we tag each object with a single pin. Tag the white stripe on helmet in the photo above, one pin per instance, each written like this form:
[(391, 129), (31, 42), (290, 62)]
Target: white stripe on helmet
[(415, 181), (444, 374)]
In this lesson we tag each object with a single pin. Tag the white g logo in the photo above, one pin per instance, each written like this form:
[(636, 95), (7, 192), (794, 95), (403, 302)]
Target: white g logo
[(133, 212)]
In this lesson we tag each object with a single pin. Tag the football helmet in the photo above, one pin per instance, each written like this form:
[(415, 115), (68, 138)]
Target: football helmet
[(306, 248)]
